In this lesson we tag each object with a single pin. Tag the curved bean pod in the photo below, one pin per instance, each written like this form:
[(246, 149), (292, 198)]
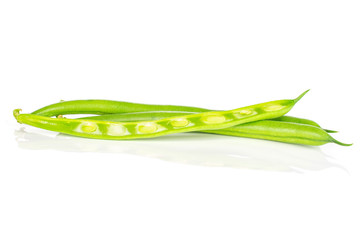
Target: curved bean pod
[(273, 129), (155, 128), (109, 107), (301, 121), (280, 131)]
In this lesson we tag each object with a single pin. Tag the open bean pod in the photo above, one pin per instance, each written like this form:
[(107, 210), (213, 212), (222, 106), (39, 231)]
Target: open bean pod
[(132, 130), (106, 107)]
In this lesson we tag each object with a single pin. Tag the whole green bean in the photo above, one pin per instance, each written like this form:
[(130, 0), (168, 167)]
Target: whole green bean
[(272, 129), (131, 130), (107, 107), (301, 121), (288, 132)]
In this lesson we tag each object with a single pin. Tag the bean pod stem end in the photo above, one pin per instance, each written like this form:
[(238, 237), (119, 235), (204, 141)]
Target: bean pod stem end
[(16, 114)]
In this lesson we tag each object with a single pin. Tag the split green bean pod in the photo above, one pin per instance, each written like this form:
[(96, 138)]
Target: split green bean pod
[(105, 107), (283, 129), (147, 129)]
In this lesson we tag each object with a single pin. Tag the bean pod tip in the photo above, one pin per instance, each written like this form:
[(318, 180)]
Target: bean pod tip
[(340, 143), (300, 96)]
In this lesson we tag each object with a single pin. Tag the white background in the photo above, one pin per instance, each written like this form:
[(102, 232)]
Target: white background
[(214, 54)]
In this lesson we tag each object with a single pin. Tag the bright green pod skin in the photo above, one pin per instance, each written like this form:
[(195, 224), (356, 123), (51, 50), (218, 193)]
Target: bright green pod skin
[(301, 121), (148, 129), (273, 129), (296, 120), (287, 132), (110, 107), (136, 116), (107, 107)]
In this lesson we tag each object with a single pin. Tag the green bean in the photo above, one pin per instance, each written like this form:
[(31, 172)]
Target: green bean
[(306, 132), (301, 121), (288, 132), (131, 130), (107, 107)]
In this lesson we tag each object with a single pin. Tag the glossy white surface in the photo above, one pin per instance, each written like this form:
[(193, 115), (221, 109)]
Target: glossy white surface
[(218, 55)]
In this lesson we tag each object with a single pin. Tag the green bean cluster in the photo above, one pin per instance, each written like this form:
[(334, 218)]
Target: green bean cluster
[(117, 120)]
